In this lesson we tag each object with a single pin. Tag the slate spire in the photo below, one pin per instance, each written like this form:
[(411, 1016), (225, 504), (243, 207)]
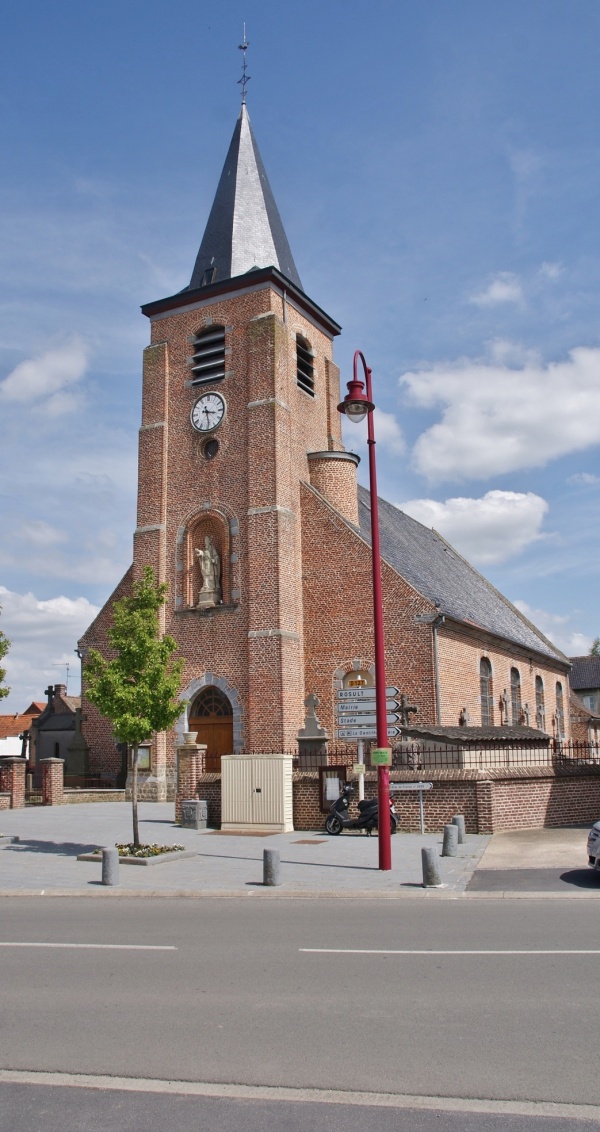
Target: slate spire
[(244, 229)]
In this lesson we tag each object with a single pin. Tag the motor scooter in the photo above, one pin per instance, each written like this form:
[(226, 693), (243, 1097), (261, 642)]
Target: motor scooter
[(368, 814)]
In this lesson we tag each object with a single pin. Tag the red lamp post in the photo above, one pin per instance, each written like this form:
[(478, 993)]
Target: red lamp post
[(357, 405)]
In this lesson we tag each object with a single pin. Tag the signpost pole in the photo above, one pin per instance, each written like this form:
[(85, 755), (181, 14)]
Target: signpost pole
[(361, 778), (421, 812)]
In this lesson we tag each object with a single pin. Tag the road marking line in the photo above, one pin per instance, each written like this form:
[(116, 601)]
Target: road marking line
[(97, 946), (289, 1093), (428, 951)]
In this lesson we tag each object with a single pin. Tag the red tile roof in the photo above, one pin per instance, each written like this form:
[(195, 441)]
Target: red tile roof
[(15, 724)]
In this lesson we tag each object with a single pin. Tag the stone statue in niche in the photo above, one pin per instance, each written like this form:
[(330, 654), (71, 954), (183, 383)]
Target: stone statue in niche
[(210, 567)]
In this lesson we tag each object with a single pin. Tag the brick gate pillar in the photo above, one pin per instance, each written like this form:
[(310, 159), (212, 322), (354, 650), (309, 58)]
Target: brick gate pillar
[(190, 765), (12, 781), (53, 775)]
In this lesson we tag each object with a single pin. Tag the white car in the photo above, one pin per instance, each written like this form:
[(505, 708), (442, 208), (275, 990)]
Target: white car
[(593, 846)]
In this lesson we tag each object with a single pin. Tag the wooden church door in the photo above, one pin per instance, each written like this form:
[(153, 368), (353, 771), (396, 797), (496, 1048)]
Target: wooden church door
[(211, 717)]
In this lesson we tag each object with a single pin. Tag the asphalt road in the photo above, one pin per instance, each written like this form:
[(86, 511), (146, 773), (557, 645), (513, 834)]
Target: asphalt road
[(27, 1108), (245, 995)]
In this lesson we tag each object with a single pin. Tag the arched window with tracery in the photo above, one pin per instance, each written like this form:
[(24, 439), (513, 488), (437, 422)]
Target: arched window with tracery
[(487, 692), (560, 711), (540, 710), (515, 696)]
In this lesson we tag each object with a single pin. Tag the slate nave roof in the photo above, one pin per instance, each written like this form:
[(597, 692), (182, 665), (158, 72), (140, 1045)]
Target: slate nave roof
[(441, 574)]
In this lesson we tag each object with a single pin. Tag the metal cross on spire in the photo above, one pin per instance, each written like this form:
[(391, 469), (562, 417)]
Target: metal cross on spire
[(245, 79)]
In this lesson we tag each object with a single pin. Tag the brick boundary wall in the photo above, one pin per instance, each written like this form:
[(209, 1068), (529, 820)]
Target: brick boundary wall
[(12, 782), (491, 801), (4, 801), (78, 797)]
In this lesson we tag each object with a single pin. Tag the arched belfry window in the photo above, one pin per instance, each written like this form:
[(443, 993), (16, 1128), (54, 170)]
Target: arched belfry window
[(540, 710), (208, 355), (305, 365), (515, 695), (487, 693)]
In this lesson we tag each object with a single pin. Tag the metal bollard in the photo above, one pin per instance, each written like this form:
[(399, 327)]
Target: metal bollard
[(459, 821), (271, 867), (450, 844), (431, 873), (110, 866)]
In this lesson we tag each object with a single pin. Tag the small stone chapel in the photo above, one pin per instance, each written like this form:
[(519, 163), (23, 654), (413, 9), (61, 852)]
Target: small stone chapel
[(248, 506)]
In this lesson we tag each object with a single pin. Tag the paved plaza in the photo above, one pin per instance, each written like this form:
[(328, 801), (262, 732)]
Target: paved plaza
[(44, 859)]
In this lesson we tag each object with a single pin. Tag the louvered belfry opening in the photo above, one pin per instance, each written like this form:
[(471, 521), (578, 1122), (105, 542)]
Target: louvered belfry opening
[(208, 358), (305, 371)]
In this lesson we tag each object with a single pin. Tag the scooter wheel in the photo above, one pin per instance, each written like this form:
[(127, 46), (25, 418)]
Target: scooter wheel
[(393, 824), (333, 825)]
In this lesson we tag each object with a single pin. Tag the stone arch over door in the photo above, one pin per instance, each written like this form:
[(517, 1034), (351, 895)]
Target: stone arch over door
[(210, 715), (191, 693)]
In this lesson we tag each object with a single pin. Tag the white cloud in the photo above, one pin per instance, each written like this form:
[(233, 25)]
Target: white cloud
[(558, 628), (388, 434), (487, 530), (499, 419), (504, 288), (43, 636), (585, 479), (39, 533), (551, 270), (48, 378)]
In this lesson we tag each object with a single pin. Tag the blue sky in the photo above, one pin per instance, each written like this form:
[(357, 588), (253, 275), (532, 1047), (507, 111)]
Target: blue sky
[(437, 170)]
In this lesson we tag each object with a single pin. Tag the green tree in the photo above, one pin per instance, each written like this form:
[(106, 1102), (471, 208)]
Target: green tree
[(595, 649), (137, 689), (4, 647)]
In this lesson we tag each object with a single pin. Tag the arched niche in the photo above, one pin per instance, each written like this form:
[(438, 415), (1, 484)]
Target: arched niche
[(205, 528)]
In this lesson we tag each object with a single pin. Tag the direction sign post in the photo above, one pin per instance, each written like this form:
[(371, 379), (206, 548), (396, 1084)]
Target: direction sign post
[(420, 786)]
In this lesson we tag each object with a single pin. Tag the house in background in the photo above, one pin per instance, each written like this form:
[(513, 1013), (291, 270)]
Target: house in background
[(15, 730), (585, 681)]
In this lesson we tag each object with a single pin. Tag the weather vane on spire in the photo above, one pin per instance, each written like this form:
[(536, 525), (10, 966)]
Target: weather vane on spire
[(245, 79)]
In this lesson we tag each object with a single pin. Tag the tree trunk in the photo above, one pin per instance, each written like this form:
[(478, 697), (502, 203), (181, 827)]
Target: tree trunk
[(134, 799)]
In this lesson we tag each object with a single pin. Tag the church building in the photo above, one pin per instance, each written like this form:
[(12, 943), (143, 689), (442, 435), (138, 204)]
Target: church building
[(248, 506)]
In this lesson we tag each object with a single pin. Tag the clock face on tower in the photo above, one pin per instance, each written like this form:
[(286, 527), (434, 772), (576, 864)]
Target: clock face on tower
[(208, 412)]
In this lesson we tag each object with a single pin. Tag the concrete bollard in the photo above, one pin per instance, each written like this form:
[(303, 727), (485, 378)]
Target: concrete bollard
[(110, 866), (450, 844), (431, 873), (459, 821), (271, 867)]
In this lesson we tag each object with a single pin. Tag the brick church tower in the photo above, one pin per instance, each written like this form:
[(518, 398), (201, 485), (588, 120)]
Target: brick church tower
[(239, 408), (248, 507)]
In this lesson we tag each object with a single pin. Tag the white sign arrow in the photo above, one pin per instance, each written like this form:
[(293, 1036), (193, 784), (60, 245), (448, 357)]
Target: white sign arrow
[(363, 720), (363, 693), (363, 732), (364, 705)]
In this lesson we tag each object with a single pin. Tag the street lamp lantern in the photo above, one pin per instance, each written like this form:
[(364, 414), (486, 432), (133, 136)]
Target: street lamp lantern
[(358, 404)]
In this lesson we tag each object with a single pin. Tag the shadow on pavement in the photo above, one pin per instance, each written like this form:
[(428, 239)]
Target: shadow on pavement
[(58, 848)]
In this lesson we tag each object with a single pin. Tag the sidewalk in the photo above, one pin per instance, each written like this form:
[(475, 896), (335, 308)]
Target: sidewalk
[(44, 860), (535, 862)]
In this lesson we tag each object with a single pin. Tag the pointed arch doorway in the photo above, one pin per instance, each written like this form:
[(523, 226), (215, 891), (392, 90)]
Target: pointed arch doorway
[(211, 716)]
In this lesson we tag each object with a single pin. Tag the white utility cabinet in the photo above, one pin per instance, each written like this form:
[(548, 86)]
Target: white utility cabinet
[(256, 792)]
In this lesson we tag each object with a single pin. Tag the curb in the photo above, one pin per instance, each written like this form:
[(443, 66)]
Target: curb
[(110, 893)]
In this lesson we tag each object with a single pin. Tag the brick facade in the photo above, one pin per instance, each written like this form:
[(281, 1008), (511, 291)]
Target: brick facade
[(278, 500)]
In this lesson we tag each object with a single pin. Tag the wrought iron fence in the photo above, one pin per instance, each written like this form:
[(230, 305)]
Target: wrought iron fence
[(424, 755)]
